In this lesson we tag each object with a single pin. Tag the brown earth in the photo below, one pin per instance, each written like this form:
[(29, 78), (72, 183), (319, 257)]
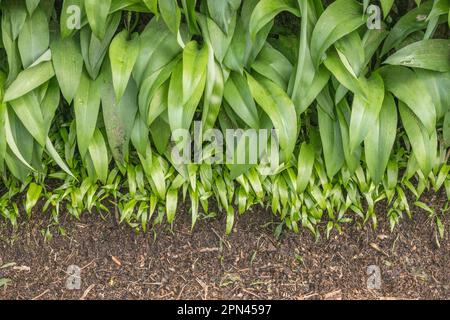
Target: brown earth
[(251, 263)]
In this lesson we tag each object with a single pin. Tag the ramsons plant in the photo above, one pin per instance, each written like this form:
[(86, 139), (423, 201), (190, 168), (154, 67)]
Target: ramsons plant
[(358, 93)]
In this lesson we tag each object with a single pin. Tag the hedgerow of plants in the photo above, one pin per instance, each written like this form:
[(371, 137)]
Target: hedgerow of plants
[(357, 91)]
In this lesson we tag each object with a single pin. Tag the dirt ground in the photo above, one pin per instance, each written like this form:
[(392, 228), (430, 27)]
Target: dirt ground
[(117, 263)]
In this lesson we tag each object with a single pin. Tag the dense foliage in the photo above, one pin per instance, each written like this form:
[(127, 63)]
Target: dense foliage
[(92, 91)]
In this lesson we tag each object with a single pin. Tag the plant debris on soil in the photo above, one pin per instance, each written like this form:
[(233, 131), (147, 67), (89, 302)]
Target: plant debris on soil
[(118, 263)]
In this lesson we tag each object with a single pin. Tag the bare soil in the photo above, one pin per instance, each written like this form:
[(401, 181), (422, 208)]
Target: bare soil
[(118, 263)]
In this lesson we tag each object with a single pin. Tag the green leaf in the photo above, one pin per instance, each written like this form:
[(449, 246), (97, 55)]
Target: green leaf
[(97, 14), (305, 166), (386, 5), (32, 5), (437, 84), (158, 47), (99, 155), (342, 74), (186, 86), (171, 14), (424, 145), (380, 139), (406, 86), (273, 65), (34, 38), (352, 155), (29, 112), (431, 54), (119, 117), (171, 204), (33, 195), (364, 113), (266, 10), (230, 220), (339, 19), (94, 49), (446, 129), (86, 106), (68, 65), (330, 134), (238, 95), (280, 109), (54, 154), (28, 80), (9, 134), (222, 12), (412, 21), (123, 53), (214, 92)]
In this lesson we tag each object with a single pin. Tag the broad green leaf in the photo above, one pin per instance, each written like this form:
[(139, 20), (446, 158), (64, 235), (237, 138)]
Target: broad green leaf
[(94, 49), (412, 21), (217, 40), (342, 74), (189, 7), (123, 53), (158, 47), (330, 134), (437, 84), (28, 80), (305, 166), (14, 15), (33, 194), (280, 109), (34, 38), (380, 139), (424, 144), (222, 12), (28, 110), (97, 14), (306, 83), (3, 143), (99, 155), (431, 54), (186, 86), (266, 10), (243, 50), (214, 92), (32, 5), (171, 204), (364, 113), (351, 52), (352, 155), (171, 14), (59, 161), (86, 106), (386, 5), (273, 65), (446, 129), (440, 7), (119, 117), (405, 85), (9, 134), (11, 48), (238, 95), (68, 65), (339, 19)]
